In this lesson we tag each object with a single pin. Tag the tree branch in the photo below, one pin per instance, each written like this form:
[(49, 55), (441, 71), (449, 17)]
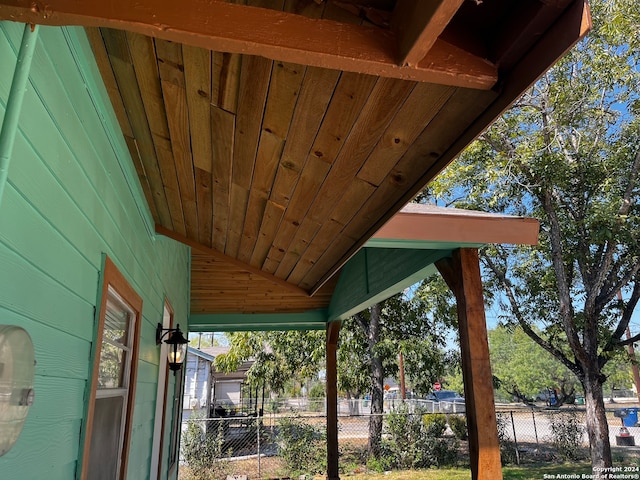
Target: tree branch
[(615, 339), (508, 288), (362, 322), (610, 289), (564, 293)]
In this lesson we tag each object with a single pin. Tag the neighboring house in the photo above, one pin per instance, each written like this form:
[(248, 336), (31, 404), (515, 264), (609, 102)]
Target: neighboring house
[(197, 379), (206, 389), (228, 396)]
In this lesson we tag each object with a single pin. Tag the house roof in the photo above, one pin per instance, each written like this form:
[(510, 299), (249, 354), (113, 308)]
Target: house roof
[(277, 137), (200, 353)]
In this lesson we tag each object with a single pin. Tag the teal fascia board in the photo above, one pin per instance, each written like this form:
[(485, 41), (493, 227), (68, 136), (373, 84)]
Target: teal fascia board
[(418, 244), (239, 322), (375, 274)]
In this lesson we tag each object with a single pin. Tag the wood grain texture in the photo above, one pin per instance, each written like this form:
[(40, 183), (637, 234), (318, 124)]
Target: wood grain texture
[(307, 162), (462, 274), (128, 87), (223, 134), (291, 38)]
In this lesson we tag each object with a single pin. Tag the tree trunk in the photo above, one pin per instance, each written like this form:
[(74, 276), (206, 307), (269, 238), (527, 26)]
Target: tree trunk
[(597, 425), (377, 381)]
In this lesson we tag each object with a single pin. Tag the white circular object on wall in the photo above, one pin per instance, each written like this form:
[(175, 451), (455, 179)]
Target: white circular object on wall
[(17, 370)]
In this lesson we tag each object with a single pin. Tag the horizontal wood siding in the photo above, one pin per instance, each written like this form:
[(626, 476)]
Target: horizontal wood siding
[(72, 196)]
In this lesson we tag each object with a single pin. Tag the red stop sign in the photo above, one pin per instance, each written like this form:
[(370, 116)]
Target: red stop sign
[(437, 386)]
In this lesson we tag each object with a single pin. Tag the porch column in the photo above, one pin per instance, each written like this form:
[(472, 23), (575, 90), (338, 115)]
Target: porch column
[(333, 330), (462, 274)]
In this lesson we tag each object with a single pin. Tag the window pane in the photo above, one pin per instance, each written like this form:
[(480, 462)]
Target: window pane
[(112, 364), (105, 441), (116, 322)]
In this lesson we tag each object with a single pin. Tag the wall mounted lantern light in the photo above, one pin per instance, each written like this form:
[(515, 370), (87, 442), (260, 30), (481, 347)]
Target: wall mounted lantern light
[(177, 345)]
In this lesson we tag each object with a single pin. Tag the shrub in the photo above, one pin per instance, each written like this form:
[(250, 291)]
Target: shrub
[(317, 390), (458, 425), (435, 423), (302, 446), (566, 434), (376, 464), (202, 448), (415, 441)]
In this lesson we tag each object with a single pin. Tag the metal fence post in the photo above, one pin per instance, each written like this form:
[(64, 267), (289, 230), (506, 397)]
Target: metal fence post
[(515, 440), (258, 434), (535, 429)]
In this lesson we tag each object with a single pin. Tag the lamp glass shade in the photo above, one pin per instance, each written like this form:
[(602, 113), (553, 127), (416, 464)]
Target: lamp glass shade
[(177, 349), (177, 354)]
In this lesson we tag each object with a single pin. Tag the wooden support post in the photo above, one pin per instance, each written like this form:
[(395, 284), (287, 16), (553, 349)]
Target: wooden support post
[(462, 274), (333, 330)]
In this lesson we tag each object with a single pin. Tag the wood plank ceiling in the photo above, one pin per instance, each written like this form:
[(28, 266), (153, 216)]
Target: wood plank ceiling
[(277, 168)]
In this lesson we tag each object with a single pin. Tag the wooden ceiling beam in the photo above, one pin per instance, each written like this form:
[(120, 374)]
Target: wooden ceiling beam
[(418, 24), (277, 35)]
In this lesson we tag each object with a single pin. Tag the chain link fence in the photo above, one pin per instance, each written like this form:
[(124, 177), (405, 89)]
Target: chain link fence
[(289, 440)]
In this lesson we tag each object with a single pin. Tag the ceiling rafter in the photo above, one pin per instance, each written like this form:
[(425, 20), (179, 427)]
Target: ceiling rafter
[(226, 27), (418, 24)]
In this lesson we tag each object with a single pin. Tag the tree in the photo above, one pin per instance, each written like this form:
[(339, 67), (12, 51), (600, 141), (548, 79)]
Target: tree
[(368, 350), (278, 356), (568, 153), (404, 322), (523, 369)]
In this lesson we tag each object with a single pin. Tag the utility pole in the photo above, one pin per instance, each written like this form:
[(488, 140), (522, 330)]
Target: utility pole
[(632, 356), (634, 365)]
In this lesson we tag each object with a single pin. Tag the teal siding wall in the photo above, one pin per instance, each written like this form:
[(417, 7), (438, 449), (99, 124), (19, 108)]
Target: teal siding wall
[(70, 199)]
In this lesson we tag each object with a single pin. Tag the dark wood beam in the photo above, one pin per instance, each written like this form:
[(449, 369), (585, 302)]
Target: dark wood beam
[(226, 258), (333, 331), (277, 35), (418, 24), (462, 275), (530, 19)]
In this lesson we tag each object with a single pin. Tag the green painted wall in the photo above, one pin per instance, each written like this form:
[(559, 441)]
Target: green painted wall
[(72, 195)]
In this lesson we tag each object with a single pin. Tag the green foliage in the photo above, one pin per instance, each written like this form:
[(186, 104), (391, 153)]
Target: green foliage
[(458, 425), (408, 324), (317, 390), (376, 464), (277, 356), (302, 446), (566, 434), (522, 365), (435, 424), (410, 441), (568, 154), (202, 448)]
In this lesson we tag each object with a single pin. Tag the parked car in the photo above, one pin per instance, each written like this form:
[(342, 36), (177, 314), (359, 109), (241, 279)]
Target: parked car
[(448, 401)]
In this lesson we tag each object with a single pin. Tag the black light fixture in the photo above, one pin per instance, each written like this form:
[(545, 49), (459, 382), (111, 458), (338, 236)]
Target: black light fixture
[(177, 345)]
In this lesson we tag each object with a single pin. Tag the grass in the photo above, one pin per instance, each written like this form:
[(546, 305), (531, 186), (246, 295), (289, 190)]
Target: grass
[(530, 472)]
